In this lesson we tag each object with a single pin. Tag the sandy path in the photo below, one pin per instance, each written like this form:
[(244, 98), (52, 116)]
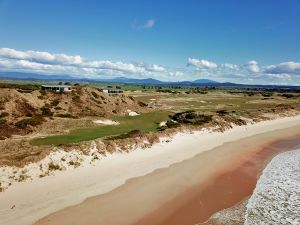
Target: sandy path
[(35, 199)]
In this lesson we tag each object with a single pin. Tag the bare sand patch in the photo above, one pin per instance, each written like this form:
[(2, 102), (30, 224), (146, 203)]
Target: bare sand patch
[(106, 122), (132, 113)]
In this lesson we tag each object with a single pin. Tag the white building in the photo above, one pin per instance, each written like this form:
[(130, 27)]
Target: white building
[(113, 91), (56, 88)]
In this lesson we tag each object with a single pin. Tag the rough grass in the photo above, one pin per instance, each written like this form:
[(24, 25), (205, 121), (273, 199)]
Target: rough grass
[(146, 122), (213, 101)]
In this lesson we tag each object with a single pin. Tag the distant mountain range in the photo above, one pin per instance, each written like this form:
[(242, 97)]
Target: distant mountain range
[(125, 80), (122, 80)]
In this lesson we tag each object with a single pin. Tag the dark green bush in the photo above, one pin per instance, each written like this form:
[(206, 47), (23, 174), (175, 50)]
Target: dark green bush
[(172, 124), (191, 117)]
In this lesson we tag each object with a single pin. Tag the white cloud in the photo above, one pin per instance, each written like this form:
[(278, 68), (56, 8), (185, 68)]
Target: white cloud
[(40, 57), (5, 63), (118, 66), (249, 72), (230, 66), (44, 62), (147, 25), (176, 74), (155, 68), (252, 66), (279, 76), (201, 63), (284, 68)]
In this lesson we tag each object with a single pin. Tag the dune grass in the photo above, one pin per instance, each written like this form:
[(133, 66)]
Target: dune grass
[(146, 122)]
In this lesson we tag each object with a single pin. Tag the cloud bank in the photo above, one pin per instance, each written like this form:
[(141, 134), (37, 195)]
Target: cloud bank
[(47, 63), (284, 68), (250, 72)]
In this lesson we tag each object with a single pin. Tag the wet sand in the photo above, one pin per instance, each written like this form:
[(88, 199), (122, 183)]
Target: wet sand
[(185, 193), (223, 191)]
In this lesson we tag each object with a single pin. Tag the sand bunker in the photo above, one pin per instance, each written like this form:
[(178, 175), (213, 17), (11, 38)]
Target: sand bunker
[(106, 122), (132, 113), (162, 124)]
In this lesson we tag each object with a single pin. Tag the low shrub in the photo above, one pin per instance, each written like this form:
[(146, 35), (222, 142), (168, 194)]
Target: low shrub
[(191, 117), (95, 95), (2, 121), (76, 98), (285, 95), (46, 111), (4, 114), (33, 121), (130, 134), (172, 124), (66, 115), (55, 102), (267, 94), (53, 166), (132, 98), (142, 104), (20, 86), (222, 112)]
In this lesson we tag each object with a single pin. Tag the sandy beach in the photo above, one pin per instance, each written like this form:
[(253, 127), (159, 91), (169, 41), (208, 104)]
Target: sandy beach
[(179, 166)]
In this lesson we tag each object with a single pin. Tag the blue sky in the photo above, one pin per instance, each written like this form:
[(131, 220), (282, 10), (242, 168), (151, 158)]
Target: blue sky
[(226, 40)]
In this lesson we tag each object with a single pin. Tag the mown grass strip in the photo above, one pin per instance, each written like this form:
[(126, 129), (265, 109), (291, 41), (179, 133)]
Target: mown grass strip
[(146, 122)]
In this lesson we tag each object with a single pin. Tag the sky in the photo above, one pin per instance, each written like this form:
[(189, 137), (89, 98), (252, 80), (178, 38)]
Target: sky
[(252, 42)]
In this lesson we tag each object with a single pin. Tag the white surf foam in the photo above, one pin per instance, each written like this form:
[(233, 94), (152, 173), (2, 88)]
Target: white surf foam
[(276, 198)]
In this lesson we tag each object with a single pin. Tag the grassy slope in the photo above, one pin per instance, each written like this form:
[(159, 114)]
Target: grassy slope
[(146, 122)]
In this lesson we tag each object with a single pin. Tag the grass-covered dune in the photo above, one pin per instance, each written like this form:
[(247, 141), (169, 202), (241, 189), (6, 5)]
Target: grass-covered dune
[(146, 122)]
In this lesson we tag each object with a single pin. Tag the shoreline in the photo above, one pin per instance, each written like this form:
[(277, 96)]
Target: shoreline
[(181, 194), (276, 196), (38, 198)]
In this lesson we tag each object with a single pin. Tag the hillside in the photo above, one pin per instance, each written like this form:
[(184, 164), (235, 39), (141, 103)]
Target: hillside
[(22, 113)]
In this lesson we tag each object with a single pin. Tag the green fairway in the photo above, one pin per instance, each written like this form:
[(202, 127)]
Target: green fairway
[(145, 122)]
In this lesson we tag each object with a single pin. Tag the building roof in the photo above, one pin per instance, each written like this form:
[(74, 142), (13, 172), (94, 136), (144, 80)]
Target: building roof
[(62, 86), (113, 89)]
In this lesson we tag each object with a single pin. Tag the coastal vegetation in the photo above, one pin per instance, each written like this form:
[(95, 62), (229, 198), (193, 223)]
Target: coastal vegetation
[(34, 121)]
